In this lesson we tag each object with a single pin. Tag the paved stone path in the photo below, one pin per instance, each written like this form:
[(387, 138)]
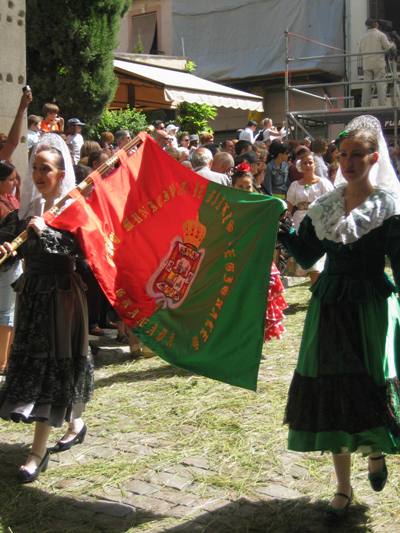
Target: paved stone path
[(175, 498), (172, 500)]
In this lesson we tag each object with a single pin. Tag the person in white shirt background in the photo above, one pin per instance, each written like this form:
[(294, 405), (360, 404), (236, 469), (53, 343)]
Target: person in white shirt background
[(75, 139), (320, 147), (172, 131), (202, 160), (248, 133), (33, 133), (268, 131), (374, 66)]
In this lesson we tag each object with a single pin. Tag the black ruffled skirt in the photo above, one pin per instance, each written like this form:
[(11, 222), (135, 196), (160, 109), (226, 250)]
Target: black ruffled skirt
[(50, 373)]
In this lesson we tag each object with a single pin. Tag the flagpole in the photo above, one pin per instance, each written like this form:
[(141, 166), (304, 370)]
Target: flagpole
[(87, 182)]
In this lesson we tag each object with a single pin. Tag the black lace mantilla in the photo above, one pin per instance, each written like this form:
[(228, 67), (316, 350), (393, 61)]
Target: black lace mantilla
[(350, 403)]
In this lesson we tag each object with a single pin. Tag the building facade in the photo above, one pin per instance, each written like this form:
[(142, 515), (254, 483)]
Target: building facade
[(242, 44)]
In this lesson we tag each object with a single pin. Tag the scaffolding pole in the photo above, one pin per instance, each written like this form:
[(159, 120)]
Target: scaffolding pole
[(326, 115), (287, 105), (299, 125)]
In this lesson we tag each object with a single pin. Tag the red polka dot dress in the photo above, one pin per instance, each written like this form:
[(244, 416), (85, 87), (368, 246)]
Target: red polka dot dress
[(276, 305)]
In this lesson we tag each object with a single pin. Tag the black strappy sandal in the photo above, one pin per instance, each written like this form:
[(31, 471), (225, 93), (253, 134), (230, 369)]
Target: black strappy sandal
[(336, 514)]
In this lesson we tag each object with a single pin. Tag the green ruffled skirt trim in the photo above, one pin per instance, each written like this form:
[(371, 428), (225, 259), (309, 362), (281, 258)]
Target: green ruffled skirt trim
[(378, 337), (374, 440), (345, 395)]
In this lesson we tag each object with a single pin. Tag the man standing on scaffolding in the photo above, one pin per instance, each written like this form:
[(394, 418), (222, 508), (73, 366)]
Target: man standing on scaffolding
[(374, 66)]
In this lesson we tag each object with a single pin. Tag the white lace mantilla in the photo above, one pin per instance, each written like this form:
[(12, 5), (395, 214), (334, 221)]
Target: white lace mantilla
[(331, 222)]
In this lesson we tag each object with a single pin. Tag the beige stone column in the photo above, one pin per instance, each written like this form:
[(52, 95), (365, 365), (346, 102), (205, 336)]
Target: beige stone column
[(12, 69)]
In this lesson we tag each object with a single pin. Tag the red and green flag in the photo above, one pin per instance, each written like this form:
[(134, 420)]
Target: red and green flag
[(183, 260)]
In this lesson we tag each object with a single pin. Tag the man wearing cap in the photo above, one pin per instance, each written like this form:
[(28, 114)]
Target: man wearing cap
[(75, 139), (193, 142)]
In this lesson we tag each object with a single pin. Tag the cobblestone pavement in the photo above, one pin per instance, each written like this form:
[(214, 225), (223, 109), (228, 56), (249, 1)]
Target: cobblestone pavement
[(116, 482)]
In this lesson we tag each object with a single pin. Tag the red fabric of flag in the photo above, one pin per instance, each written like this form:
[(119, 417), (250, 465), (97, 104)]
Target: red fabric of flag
[(145, 191)]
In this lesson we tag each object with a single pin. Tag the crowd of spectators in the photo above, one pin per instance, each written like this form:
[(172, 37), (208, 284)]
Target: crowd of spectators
[(271, 158), (272, 162)]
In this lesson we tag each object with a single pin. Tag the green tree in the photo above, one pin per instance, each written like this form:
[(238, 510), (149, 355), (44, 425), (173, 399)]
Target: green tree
[(194, 118), (70, 48), (125, 119)]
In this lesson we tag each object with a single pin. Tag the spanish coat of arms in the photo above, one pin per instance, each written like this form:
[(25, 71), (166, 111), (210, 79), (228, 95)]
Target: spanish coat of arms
[(171, 281)]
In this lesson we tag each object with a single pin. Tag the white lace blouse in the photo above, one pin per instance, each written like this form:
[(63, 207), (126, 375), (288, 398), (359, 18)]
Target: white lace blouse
[(331, 222)]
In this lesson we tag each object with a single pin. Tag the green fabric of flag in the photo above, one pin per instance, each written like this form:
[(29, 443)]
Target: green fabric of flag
[(184, 261)]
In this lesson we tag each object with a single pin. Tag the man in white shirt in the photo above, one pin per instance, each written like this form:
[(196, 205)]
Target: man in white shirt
[(201, 160), (374, 66), (223, 163), (75, 139), (248, 133)]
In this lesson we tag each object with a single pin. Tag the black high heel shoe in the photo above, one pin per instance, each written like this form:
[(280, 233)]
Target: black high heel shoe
[(378, 480), (27, 477), (64, 446)]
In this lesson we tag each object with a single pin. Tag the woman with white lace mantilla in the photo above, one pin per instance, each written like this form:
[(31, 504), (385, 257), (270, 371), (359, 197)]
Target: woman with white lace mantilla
[(345, 393), (50, 374)]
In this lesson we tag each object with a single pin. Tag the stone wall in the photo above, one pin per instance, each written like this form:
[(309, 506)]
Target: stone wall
[(12, 68)]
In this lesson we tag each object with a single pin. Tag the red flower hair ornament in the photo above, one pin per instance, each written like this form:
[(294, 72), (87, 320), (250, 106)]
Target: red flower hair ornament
[(243, 167)]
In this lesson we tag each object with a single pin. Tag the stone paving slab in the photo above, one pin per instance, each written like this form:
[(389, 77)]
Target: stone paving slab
[(148, 503), (111, 508), (298, 472), (69, 483), (170, 480), (180, 498), (198, 462), (278, 491), (105, 452), (140, 449), (181, 470), (110, 493), (140, 487)]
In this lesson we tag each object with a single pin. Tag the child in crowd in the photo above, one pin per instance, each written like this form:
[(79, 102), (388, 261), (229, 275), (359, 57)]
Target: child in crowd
[(51, 123), (243, 179), (33, 133)]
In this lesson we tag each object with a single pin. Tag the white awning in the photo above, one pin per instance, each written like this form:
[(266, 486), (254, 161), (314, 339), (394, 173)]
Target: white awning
[(179, 86)]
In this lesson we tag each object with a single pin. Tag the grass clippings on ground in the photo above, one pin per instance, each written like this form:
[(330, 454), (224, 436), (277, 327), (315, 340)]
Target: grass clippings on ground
[(148, 419)]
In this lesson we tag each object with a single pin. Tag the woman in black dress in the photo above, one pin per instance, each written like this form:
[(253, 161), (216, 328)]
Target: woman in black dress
[(50, 375)]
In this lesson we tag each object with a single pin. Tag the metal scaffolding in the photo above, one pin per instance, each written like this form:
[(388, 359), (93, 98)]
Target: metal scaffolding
[(330, 111)]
